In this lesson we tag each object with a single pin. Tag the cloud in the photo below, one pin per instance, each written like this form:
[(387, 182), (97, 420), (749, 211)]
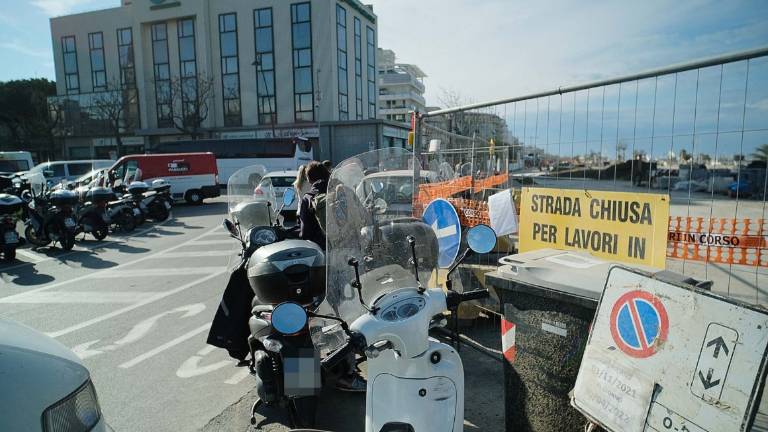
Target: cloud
[(53, 8), (493, 49), (21, 48)]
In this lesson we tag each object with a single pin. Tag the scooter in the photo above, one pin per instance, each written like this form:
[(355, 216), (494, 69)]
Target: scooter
[(52, 219), (92, 214), (274, 267), (10, 205), (379, 308)]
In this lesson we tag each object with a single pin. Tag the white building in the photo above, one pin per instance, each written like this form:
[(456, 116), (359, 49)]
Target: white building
[(277, 68), (401, 88)]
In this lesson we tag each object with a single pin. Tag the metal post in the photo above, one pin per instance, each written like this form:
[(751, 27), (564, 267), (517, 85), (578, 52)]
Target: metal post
[(416, 153)]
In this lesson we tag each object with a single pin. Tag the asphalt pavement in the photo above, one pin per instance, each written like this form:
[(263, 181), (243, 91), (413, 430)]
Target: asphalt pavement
[(137, 310)]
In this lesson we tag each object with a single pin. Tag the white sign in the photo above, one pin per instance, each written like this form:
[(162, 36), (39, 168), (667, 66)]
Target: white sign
[(111, 142), (664, 357), (502, 213), (238, 135)]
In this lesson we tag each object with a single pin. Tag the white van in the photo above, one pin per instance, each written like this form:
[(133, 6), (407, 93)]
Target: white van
[(55, 172), (13, 162)]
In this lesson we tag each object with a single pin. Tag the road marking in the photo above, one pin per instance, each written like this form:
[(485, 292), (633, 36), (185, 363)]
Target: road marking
[(159, 272), (119, 312), (41, 258), (195, 254), (239, 376), (79, 297), (191, 367), (138, 331), (151, 353), (112, 269), (30, 255), (216, 242)]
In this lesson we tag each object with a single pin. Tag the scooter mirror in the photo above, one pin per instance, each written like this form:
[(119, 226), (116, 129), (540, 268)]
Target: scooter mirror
[(481, 239), (230, 227), (289, 318), (380, 206), (289, 196)]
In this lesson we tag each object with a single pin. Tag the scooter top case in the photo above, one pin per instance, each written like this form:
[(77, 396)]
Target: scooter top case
[(100, 194), (161, 185), (137, 188), (10, 204), (63, 198), (289, 270)]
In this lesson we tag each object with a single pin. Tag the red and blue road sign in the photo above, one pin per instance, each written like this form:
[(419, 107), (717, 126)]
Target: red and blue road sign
[(639, 323)]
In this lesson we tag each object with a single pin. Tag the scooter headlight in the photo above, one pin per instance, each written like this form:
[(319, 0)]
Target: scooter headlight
[(78, 412), (289, 318)]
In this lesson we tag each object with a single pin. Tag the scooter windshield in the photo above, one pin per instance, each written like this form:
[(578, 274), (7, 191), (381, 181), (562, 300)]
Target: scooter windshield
[(250, 197), (36, 182), (367, 220)]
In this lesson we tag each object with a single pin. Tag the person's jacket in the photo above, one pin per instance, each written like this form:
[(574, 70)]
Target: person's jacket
[(309, 227)]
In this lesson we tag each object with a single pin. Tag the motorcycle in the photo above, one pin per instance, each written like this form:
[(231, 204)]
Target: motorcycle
[(273, 267), (93, 215), (377, 306), (51, 218), (10, 206)]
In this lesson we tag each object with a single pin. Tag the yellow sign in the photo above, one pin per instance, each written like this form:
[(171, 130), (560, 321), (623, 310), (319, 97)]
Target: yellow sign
[(618, 226)]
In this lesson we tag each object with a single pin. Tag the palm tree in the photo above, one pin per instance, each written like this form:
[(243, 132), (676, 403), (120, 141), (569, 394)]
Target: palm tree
[(761, 153)]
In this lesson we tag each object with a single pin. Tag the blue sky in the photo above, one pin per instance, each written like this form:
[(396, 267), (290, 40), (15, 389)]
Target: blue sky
[(485, 49)]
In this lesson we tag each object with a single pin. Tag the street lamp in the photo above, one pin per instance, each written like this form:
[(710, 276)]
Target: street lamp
[(260, 71)]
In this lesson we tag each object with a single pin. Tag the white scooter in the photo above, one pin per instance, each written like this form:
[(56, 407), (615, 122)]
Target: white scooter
[(415, 382)]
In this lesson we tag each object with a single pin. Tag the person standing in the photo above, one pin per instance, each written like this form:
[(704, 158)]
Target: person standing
[(309, 225)]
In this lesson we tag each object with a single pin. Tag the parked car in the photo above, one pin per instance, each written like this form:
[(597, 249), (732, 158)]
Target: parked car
[(45, 385), (395, 187), (192, 176), (280, 181), (55, 172)]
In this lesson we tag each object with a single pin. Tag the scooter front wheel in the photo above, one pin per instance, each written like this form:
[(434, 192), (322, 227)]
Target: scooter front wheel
[(100, 233), (31, 235), (9, 253)]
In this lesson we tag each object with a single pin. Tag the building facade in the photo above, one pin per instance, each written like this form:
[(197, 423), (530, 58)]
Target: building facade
[(401, 88), (158, 70)]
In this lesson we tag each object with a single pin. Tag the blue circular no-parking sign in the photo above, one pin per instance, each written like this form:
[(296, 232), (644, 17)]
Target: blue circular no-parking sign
[(442, 217)]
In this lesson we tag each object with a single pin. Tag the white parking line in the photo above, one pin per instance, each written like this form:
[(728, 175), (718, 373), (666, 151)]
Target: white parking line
[(80, 297), (35, 258), (194, 254), (216, 242), (151, 353), (182, 271), (119, 312), (112, 269)]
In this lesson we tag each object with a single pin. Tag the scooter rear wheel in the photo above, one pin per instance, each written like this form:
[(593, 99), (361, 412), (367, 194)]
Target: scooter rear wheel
[(31, 235), (67, 240), (100, 233), (9, 254)]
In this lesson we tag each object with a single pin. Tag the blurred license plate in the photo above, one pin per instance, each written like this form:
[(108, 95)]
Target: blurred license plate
[(167, 205), (11, 237), (69, 222), (302, 372), (136, 212)]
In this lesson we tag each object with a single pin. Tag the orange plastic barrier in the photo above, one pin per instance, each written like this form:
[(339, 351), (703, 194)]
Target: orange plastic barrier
[(718, 240), (489, 182), (430, 191)]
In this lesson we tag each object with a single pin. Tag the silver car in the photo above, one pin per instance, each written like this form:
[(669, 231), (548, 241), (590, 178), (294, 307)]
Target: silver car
[(282, 180), (43, 385)]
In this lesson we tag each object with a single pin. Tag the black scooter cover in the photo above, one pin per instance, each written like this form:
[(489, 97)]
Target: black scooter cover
[(229, 329)]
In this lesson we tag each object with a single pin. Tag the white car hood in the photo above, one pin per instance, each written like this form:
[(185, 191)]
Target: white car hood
[(35, 372)]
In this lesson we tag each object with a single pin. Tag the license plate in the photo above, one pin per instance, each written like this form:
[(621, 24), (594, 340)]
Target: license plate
[(69, 223), (136, 212), (301, 372), (167, 205), (11, 237)]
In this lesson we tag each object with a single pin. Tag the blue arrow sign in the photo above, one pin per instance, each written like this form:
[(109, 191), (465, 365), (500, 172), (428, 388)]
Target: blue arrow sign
[(444, 220)]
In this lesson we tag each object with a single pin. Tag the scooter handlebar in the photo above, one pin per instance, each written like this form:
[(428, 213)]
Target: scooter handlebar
[(454, 299)]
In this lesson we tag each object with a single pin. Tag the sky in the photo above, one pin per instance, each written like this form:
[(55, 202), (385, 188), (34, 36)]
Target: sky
[(485, 49)]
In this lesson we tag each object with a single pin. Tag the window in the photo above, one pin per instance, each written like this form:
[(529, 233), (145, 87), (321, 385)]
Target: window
[(162, 69), (71, 75), (98, 68), (78, 169), (265, 65), (341, 59), (303, 86), (125, 54), (230, 69), (188, 66), (371, 54), (358, 70)]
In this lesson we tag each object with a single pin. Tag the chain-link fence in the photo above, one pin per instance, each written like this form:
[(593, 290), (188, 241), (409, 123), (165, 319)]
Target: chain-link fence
[(698, 132)]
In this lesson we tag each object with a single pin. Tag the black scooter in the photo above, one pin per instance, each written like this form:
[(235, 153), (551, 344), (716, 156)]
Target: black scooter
[(273, 268), (52, 219)]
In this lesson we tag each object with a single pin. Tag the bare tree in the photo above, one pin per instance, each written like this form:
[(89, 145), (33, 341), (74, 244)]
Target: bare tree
[(114, 108), (191, 97)]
